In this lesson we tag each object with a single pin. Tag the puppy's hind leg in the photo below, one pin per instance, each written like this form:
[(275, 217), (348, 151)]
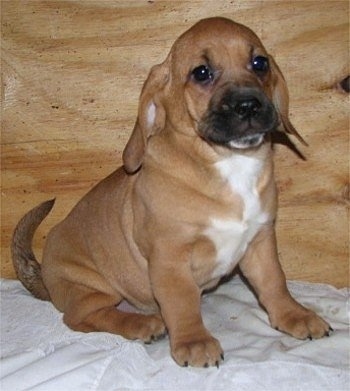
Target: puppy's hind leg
[(96, 311)]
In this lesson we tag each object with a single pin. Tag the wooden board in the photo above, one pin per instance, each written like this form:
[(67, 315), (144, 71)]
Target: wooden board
[(72, 73)]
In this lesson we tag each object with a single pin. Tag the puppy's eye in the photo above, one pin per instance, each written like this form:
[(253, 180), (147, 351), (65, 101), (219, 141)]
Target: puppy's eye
[(202, 74), (260, 65)]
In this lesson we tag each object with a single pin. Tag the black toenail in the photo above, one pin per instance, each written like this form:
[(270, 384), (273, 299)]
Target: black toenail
[(206, 365), (186, 364), (217, 364), (330, 329), (222, 356), (309, 337)]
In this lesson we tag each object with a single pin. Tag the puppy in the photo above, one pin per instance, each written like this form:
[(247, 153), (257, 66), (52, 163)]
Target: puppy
[(195, 197)]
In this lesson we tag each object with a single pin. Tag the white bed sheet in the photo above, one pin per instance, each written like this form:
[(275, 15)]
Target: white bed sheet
[(38, 352)]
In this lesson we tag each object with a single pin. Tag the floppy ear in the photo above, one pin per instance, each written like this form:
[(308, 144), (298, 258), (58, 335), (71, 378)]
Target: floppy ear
[(150, 119), (280, 99)]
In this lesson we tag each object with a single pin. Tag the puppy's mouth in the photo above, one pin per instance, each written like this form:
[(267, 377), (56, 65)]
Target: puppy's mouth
[(251, 141), (238, 118)]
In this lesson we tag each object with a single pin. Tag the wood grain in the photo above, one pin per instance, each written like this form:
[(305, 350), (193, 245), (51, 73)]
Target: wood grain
[(71, 76)]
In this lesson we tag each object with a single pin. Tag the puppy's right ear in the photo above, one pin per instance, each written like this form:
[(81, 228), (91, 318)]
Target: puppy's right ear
[(151, 116)]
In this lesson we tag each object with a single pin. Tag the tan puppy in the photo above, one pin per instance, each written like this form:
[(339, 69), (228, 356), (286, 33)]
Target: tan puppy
[(196, 196)]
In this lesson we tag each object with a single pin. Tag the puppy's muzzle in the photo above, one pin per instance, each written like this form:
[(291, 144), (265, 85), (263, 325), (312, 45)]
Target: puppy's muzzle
[(238, 118)]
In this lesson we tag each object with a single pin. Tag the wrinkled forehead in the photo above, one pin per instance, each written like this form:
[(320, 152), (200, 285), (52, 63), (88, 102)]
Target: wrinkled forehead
[(219, 38)]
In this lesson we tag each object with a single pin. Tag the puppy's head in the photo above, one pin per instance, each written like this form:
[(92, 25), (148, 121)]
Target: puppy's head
[(218, 83)]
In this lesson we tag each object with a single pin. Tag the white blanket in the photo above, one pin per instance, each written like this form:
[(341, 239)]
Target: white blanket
[(39, 352)]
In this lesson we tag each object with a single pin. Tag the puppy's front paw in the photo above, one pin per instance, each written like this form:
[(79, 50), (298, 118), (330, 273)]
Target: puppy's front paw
[(201, 351), (302, 324)]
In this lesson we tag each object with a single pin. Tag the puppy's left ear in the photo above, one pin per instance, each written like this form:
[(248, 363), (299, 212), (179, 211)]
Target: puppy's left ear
[(150, 119), (280, 97)]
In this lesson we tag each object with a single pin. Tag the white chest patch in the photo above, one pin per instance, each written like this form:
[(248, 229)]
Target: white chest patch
[(232, 236)]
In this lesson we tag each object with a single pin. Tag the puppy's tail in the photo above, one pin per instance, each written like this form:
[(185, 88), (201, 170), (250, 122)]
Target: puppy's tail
[(27, 268)]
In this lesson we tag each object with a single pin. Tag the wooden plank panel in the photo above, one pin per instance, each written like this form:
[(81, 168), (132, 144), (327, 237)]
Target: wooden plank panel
[(72, 73)]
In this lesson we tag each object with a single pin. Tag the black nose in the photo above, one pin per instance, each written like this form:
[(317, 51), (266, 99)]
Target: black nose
[(247, 108)]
